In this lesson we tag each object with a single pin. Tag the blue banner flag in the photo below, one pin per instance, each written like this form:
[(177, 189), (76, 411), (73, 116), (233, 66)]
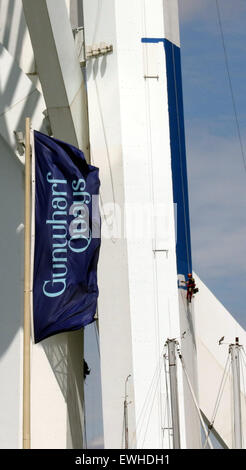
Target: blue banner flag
[(67, 238)]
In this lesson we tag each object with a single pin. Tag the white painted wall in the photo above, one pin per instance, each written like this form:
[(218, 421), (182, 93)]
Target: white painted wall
[(57, 401), (106, 152), (56, 363), (11, 279), (14, 34), (138, 302)]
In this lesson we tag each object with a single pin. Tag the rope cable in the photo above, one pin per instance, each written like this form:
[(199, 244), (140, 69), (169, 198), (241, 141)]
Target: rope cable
[(230, 84), (163, 428), (219, 396), (194, 399), (242, 349), (148, 395), (168, 405), (145, 404), (85, 430), (242, 371), (123, 429), (150, 168), (153, 400), (97, 338)]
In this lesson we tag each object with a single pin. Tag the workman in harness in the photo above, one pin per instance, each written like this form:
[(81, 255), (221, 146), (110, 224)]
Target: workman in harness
[(191, 287)]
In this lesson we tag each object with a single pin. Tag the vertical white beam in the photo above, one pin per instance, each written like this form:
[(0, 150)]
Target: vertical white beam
[(64, 92), (27, 299), (59, 70), (235, 365), (174, 392), (113, 275), (130, 142)]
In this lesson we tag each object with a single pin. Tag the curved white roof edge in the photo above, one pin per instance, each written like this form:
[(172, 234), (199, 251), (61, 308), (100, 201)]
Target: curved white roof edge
[(213, 321)]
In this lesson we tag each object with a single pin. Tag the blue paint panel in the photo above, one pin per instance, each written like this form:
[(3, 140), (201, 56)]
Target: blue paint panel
[(152, 40), (178, 153)]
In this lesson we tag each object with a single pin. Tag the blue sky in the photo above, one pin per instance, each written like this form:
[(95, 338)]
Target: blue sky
[(216, 173)]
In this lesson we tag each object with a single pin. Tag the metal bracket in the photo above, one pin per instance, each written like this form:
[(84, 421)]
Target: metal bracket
[(94, 51), (160, 251), (89, 52), (20, 142), (151, 76), (47, 122), (79, 39)]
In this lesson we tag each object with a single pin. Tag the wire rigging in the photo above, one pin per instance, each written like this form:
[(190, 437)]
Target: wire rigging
[(230, 84), (219, 396), (85, 426), (97, 337), (144, 408), (242, 349), (152, 404), (168, 404), (122, 433), (194, 399)]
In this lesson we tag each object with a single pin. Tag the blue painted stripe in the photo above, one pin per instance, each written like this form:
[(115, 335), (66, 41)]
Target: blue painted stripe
[(178, 152), (152, 40)]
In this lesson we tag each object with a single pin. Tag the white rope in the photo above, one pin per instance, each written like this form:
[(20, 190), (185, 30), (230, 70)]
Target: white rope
[(168, 405), (85, 426), (123, 429), (97, 338), (219, 396), (147, 397), (152, 404), (233, 99), (148, 402), (242, 349), (152, 198), (195, 401)]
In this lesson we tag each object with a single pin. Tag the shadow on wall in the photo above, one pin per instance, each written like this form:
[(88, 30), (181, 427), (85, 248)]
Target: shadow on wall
[(63, 351), (12, 174), (13, 31), (12, 218), (11, 246), (13, 37)]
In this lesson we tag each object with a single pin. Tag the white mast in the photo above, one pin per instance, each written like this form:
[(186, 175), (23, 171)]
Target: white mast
[(27, 306), (171, 343), (126, 414), (234, 350)]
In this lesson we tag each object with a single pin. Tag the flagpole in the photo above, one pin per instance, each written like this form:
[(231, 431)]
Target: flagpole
[(27, 319)]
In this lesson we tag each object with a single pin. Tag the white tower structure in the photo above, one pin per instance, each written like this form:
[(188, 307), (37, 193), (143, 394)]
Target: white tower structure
[(137, 140), (130, 78)]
